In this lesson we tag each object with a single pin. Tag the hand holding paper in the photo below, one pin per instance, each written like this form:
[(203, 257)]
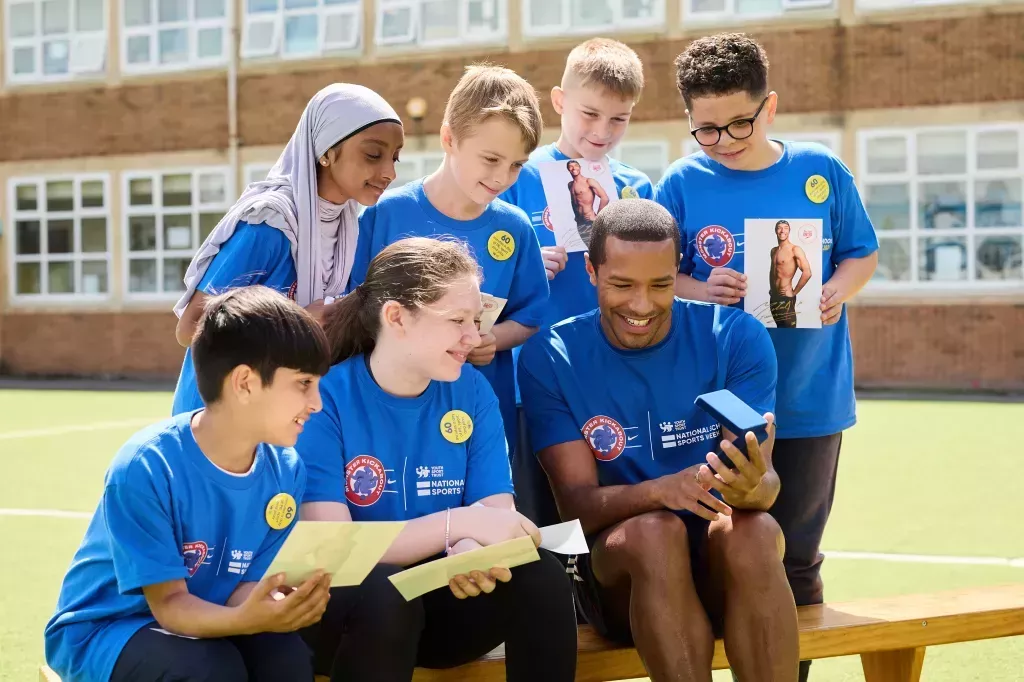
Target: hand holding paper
[(347, 550)]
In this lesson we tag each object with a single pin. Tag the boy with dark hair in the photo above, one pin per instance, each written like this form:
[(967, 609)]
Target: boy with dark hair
[(168, 582), (743, 174)]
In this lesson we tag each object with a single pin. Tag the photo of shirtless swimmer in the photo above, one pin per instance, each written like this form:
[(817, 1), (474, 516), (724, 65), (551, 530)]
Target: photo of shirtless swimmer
[(787, 258), (582, 192)]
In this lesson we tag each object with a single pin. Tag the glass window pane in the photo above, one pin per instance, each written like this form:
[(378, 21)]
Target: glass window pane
[(207, 221), (140, 192), (23, 60), (545, 13), (173, 46), (998, 149), (638, 9), (94, 277), (942, 259), (753, 7), (997, 203), (299, 4), (142, 233), (174, 273), (262, 6), (340, 30), (212, 188), (26, 198), (89, 15), (137, 13), (887, 154), (27, 237), (942, 205), (61, 277), (177, 190), (178, 231), (591, 13), (209, 43), (259, 36), (142, 276), (22, 20), (888, 205), (395, 23), (943, 153), (56, 16), (893, 259), (999, 258), (60, 196), (92, 194), (300, 34), (697, 6), (172, 10), (94, 235), (439, 20), (60, 236), (209, 9), (138, 50), (55, 57), (29, 276), (483, 16)]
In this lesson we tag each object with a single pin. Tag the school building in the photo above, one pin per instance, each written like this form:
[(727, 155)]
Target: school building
[(127, 127)]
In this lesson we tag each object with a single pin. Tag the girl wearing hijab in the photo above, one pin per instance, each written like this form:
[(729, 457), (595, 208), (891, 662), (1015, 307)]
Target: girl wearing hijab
[(296, 231)]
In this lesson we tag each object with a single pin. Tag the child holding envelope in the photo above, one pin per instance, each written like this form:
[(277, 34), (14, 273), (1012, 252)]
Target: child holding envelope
[(408, 433)]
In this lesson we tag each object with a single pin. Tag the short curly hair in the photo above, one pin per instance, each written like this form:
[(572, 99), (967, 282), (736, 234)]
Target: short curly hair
[(720, 65)]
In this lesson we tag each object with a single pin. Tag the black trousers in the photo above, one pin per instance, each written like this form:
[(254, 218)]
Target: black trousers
[(370, 632), (151, 656)]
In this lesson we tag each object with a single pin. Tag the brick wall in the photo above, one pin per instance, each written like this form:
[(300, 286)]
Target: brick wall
[(830, 68)]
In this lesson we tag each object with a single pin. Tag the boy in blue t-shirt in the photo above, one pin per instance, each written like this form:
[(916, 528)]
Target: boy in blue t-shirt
[(168, 582), (609, 396), (492, 123), (743, 175)]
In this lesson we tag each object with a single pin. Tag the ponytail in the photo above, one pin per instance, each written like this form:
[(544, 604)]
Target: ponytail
[(351, 326)]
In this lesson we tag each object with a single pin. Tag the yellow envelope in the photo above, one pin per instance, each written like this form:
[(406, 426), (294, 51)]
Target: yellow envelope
[(430, 576), (348, 550)]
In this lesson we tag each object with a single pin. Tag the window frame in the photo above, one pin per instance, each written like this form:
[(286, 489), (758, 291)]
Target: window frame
[(193, 25), (37, 77), (897, 5), (426, 163), (618, 24), (729, 15), (279, 16), (662, 145), (412, 40), (159, 253), (970, 232), (76, 256)]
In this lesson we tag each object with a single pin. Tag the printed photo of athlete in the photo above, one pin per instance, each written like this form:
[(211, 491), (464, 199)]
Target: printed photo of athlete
[(787, 258), (582, 192)]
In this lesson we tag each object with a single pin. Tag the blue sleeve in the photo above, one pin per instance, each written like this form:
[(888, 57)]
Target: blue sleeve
[(644, 188), (487, 467), (361, 262), (852, 231), (275, 538), (528, 293), (248, 257), (323, 452), (752, 370), (672, 199), (547, 414), (141, 534)]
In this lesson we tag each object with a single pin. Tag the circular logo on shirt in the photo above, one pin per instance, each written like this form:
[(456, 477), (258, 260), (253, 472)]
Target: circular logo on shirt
[(194, 554), (456, 426), (817, 189), (716, 245), (281, 511), (628, 192), (605, 437), (546, 218), (501, 245), (808, 234), (364, 480)]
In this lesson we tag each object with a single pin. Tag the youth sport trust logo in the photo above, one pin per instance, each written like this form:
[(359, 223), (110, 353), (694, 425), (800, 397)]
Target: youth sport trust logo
[(716, 245), (365, 480), (605, 436)]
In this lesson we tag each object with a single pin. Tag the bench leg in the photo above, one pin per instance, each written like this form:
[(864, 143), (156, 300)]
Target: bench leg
[(903, 665)]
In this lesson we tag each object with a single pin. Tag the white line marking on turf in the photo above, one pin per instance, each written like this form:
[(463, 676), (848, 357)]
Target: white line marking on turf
[(48, 513), (927, 559), (58, 430)]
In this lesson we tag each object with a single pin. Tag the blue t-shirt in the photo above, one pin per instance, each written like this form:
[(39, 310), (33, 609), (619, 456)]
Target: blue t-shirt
[(710, 202), (571, 291), (255, 254), (512, 269), (395, 459), (167, 513), (635, 408)]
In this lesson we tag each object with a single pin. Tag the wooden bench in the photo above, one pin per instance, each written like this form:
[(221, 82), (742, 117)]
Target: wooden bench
[(890, 636)]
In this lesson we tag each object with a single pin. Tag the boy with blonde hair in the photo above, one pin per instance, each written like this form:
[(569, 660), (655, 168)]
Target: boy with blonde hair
[(491, 124)]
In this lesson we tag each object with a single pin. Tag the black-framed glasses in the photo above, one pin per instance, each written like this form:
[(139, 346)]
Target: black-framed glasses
[(740, 129)]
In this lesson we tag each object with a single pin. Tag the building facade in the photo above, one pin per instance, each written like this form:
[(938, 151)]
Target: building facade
[(127, 127)]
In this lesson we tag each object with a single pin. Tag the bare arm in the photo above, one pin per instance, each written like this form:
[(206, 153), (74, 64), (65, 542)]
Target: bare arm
[(189, 318), (805, 269), (179, 612), (602, 196), (509, 334)]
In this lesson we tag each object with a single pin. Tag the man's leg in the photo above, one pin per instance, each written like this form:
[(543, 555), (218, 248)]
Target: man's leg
[(151, 656), (642, 567), (783, 310), (275, 657), (807, 470), (747, 587)]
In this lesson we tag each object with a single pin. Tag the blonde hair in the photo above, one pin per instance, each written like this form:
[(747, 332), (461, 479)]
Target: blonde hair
[(605, 63), (485, 92)]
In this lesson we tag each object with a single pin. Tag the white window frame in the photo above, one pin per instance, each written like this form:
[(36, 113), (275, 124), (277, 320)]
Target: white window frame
[(970, 232), (412, 40), (619, 22), (426, 162), (76, 256), (193, 26), (36, 42), (888, 5), (729, 14), (156, 209), (277, 19), (252, 169), (660, 145)]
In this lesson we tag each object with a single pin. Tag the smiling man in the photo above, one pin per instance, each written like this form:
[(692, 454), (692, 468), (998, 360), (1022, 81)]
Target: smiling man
[(609, 398)]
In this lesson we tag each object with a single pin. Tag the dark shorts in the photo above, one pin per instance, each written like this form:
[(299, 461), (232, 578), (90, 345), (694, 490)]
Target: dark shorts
[(591, 597), (783, 311)]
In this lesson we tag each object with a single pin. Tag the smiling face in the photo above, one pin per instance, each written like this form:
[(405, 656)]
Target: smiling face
[(362, 166), (782, 231), (748, 153), (593, 120), (282, 407), (487, 160), (574, 168)]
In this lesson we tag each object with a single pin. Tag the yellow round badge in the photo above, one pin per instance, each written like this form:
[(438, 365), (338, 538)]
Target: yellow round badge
[(501, 245), (629, 192), (817, 189), (456, 426), (281, 511)]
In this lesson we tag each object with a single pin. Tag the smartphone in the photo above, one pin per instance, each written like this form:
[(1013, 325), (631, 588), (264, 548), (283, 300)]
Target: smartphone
[(735, 415)]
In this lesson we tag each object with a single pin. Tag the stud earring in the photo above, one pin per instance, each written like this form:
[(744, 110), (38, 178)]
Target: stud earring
[(323, 162)]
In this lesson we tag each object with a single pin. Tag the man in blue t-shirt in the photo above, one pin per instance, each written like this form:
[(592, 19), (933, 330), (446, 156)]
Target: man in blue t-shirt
[(741, 182), (609, 397), (169, 580)]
